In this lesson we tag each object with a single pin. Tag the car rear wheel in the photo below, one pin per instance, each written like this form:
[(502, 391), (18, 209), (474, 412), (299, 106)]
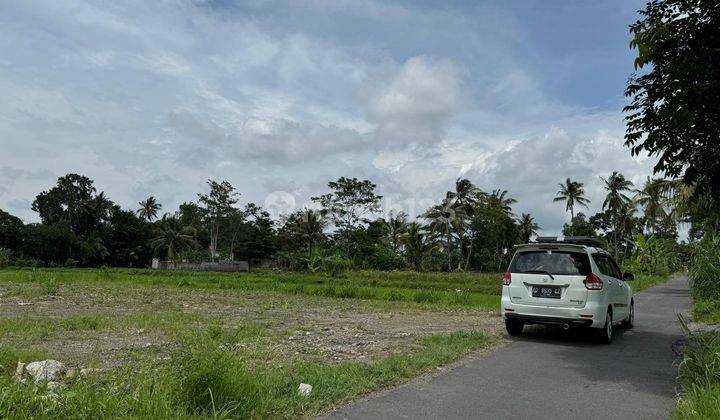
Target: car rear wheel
[(605, 334), (630, 321), (514, 327)]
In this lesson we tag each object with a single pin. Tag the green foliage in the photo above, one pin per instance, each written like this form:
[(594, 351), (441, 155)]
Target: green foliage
[(348, 206), (12, 231), (653, 255), (673, 109), (579, 226), (335, 265), (705, 268), (4, 257), (706, 310), (700, 375), (173, 237), (385, 258)]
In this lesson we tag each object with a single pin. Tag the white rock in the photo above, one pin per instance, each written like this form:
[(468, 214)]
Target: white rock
[(45, 370), (304, 390)]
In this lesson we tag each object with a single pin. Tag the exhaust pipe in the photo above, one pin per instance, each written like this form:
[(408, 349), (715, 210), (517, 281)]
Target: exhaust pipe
[(566, 326)]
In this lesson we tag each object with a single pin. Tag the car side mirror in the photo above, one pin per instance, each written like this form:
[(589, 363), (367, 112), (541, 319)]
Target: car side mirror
[(628, 276)]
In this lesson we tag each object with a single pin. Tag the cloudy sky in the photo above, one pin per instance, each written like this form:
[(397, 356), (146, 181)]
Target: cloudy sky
[(278, 97)]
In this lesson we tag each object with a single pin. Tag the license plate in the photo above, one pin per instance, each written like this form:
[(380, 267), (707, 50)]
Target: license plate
[(552, 292)]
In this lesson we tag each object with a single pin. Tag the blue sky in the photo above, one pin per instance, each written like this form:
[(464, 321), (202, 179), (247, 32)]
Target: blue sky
[(278, 97)]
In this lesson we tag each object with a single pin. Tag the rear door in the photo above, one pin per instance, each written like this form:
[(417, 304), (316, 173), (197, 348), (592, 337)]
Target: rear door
[(549, 276), (623, 301), (610, 276)]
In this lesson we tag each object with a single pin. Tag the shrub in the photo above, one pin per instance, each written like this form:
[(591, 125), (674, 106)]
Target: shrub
[(4, 257), (705, 268), (653, 255), (384, 258), (335, 265), (26, 262)]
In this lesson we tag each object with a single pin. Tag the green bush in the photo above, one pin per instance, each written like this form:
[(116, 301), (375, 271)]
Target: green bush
[(705, 268), (385, 259), (653, 255), (4, 257), (27, 262), (335, 265)]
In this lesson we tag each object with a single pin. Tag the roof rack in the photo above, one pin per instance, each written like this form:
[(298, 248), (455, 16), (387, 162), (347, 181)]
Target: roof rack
[(577, 240)]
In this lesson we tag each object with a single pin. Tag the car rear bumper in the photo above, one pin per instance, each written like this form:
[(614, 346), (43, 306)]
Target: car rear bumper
[(590, 315), (549, 320)]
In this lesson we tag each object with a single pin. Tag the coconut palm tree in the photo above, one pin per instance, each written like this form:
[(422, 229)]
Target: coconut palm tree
[(148, 209), (527, 227), (615, 200), (310, 227), (616, 185), (444, 219), (466, 194), (572, 193), (652, 197), (466, 197), (627, 226), (173, 236), (500, 199), (418, 245), (397, 225)]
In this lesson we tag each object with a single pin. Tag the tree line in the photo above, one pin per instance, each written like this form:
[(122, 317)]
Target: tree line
[(468, 229)]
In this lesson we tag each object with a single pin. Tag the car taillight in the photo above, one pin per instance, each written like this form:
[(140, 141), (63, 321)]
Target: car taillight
[(506, 279), (593, 282)]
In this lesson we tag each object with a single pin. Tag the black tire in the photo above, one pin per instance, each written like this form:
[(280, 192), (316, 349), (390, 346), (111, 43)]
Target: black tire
[(630, 321), (514, 327), (605, 334)]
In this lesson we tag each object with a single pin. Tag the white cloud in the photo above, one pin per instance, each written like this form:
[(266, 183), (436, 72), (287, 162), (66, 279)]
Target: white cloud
[(156, 97), (413, 104)]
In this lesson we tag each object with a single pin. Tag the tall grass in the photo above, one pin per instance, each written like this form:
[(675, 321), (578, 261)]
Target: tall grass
[(204, 380), (700, 376), (705, 268)]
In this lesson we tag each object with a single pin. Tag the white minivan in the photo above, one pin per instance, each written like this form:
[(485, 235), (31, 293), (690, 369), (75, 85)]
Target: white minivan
[(566, 281)]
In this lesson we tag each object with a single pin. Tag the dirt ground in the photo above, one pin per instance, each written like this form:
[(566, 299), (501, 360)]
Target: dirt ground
[(110, 324)]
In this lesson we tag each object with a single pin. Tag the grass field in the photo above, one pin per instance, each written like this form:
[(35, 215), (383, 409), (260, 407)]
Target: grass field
[(439, 289), (186, 345)]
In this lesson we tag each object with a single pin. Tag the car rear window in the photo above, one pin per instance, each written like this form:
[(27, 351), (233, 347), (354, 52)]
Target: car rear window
[(551, 261)]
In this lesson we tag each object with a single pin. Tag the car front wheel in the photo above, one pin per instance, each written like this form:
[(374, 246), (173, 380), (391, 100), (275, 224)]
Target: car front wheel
[(514, 327)]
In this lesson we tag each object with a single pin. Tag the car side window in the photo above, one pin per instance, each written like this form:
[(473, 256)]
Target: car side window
[(604, 265), (617, 273)]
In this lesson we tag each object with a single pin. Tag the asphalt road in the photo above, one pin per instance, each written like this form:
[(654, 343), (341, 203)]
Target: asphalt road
[(549, 374)]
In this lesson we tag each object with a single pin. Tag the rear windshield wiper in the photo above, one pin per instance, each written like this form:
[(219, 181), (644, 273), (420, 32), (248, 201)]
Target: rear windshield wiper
[(540, 272)]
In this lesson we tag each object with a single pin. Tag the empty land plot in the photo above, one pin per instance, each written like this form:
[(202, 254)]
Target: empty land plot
[(201, 344)]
